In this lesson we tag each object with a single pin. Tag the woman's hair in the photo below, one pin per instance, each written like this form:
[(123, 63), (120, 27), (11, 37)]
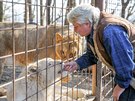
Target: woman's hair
[(84, 13)]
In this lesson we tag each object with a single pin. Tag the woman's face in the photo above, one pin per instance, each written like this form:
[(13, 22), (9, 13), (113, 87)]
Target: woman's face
[(83, 29)]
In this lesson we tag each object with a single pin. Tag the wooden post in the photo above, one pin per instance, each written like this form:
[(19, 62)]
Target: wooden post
[(93, 80), (99, 4), (99, 82)]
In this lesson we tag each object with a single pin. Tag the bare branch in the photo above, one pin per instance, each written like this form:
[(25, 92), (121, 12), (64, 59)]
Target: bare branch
[(130, 10), (124, 6)]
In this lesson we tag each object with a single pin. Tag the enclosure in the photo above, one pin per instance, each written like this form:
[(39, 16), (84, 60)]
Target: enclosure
[(36, 40)]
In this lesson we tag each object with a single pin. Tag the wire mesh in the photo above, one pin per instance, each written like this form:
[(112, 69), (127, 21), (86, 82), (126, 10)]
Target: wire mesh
[(32, 32)]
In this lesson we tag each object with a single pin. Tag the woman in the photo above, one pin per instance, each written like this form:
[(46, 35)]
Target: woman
[(109, 39)]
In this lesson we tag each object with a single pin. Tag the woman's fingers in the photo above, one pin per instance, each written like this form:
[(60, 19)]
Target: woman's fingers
[(70, 66)]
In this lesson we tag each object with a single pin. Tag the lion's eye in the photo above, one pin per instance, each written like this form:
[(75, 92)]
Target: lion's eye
[(71, 45), (75, 53), (49, 64), (33, 70)]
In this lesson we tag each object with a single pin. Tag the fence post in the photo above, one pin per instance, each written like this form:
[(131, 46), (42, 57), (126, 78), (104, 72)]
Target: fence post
[(94, 80), (99, 81), (99, 4)]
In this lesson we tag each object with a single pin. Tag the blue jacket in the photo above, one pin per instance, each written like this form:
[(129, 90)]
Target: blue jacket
[(120, 50)]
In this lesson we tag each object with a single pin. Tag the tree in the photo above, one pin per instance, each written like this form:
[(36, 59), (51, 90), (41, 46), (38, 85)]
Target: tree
[(41, 13), (28, 14), (99, 4), (30, 11), (128, 9), (123, 8), (1, 11), (48, 4), (70, 4)]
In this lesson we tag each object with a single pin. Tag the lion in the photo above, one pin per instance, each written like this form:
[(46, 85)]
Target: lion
[(45, 82), (71, 46), (31, 44)]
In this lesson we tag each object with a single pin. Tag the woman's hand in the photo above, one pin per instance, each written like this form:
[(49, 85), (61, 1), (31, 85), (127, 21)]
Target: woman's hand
[(70, 66), (117, 92)]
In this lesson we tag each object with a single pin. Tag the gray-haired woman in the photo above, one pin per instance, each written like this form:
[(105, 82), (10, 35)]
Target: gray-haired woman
[(109, 39)]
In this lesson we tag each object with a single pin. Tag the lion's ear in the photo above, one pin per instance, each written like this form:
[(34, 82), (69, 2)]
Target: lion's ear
[(58, 37)]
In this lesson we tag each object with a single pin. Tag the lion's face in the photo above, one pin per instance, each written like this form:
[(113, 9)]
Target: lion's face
[(49, 70), (68, 47)]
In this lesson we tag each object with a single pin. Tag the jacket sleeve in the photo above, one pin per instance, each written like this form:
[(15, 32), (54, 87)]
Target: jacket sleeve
[(87, 59), (121, 53)]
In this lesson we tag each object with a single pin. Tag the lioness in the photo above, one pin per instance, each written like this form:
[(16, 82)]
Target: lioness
[(44, 81), (39, 43)]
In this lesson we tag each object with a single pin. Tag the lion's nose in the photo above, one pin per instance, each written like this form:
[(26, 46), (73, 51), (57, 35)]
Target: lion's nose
[(70, 55), (59, 72)]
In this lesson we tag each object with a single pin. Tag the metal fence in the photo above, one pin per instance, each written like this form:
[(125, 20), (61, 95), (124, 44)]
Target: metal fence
[(31, 33)]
